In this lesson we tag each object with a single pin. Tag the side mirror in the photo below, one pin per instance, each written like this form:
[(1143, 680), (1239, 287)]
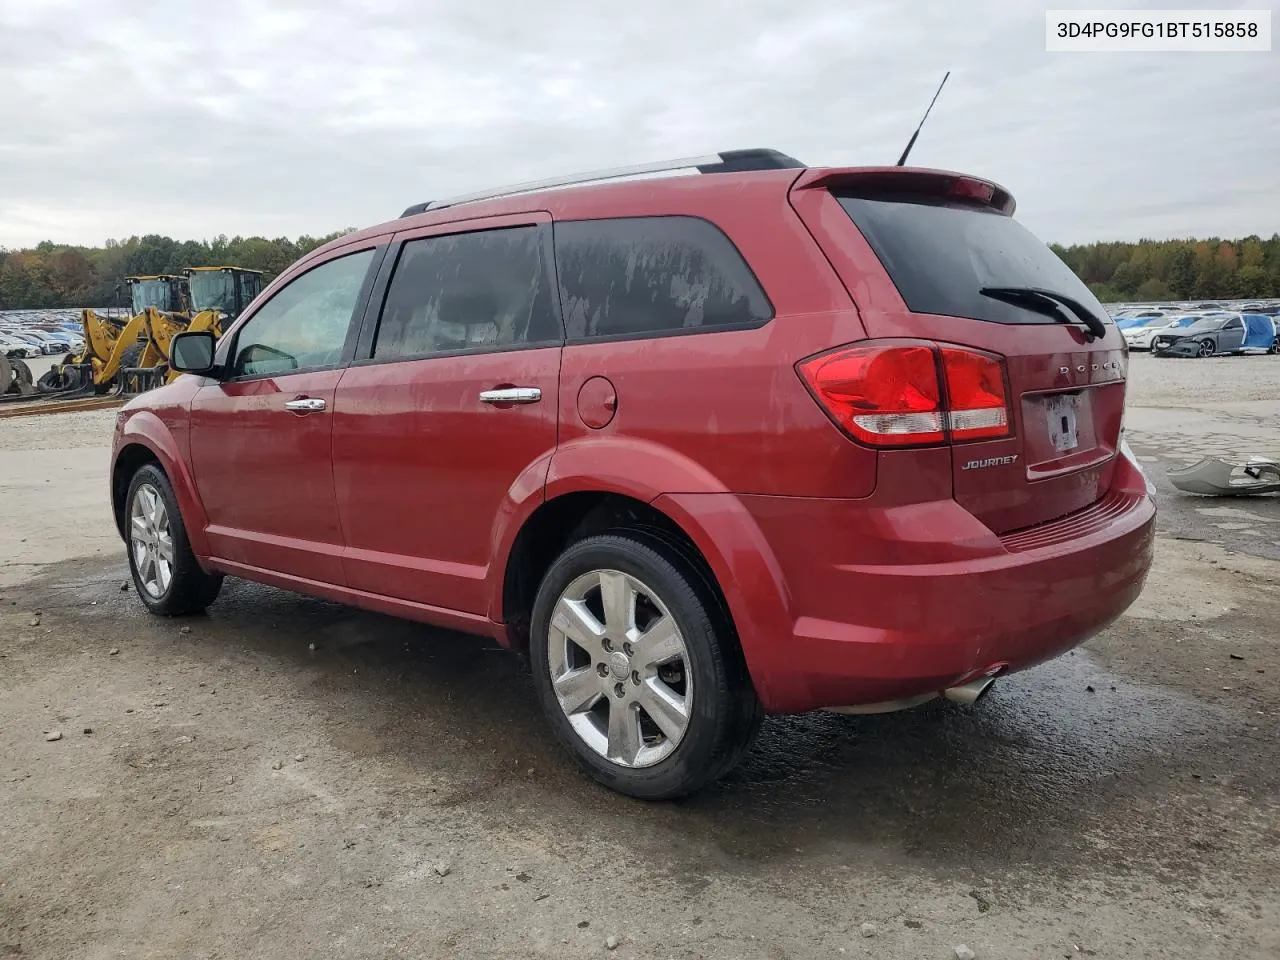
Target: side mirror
[(192, 352)]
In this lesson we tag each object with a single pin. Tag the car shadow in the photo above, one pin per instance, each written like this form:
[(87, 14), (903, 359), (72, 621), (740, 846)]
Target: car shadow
[(1020, 778)]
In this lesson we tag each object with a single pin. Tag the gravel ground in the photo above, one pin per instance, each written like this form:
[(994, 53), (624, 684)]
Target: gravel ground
[(289, 778), (53, 499)]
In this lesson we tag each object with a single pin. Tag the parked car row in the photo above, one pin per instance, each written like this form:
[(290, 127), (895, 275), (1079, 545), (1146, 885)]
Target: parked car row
[(1130, 310), (1199, 333), (27, 334), (15, 348)]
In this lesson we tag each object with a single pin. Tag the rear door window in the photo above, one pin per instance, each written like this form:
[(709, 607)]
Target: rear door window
[(653, 276), (941, 255), (485, 290)]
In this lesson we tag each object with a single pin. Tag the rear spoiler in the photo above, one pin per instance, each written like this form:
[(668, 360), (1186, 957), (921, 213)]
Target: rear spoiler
[(878, 181)]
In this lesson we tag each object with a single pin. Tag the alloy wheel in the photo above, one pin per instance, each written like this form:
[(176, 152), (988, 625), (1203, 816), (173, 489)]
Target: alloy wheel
[(151, 540), (620, 668)]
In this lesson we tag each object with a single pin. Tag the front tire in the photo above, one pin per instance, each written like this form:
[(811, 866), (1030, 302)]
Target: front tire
[(637, 668), (166, 576), (1207, 348)]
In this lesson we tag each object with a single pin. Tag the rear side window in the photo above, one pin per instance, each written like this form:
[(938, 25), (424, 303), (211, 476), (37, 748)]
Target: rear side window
[(940, 256), (467, 291), (651, 276)]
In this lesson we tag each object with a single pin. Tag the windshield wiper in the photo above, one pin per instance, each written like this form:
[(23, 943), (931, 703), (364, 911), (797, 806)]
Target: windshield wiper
[(1049, 303)]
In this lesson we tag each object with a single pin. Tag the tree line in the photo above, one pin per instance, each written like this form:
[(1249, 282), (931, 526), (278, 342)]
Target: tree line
[(56, 275), (1154, 270)]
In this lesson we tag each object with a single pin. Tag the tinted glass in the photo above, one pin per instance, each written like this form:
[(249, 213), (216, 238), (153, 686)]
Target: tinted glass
[(305, 324), (152, 293), (212, 290), (250, 285), (653, 275), (467, 291), (1233, 325), (940, 255), (1203, 324)]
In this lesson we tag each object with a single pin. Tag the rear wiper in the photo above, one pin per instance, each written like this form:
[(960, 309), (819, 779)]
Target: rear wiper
[(1047, 302)]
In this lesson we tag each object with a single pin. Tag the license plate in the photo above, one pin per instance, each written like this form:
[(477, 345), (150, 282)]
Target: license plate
[(1060, 415)]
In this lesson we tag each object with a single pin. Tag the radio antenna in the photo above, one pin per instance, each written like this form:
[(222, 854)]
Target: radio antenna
[(912, 142)]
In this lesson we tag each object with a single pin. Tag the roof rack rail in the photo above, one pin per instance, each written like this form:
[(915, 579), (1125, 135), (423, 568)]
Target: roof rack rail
[(727, 161)]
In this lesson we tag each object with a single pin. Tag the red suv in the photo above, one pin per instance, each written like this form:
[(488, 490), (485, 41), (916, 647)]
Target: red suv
[(761, 438)]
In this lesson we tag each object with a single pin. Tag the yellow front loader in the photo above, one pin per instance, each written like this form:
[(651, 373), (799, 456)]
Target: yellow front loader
[(214, 297), (114, 342), (131, 354)]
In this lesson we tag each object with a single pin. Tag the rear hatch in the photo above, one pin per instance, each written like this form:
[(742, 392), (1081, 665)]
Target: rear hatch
[(937, 256)]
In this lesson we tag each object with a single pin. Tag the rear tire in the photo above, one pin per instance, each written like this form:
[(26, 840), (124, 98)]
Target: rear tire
[(654, 701), (166, 575)]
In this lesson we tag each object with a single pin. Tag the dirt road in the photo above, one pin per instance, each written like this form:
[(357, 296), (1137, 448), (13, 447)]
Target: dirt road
[(287, 778)]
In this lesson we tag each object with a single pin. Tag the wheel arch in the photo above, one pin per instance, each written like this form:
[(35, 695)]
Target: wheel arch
[(146, 439), (129, 460), (714, 534), (596, 476), (559, 521)]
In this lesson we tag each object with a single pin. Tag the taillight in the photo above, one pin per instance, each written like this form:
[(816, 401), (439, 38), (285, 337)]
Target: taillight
[(977, 405), (887, 392), (883, 393)]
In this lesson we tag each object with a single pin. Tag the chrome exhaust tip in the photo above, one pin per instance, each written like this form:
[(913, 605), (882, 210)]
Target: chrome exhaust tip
[(969, 693)]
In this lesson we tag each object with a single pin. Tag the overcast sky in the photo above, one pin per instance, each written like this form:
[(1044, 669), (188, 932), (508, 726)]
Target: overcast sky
[(280, 118)]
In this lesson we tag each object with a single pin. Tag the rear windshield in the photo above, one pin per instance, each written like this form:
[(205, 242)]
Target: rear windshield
[(941, 255)]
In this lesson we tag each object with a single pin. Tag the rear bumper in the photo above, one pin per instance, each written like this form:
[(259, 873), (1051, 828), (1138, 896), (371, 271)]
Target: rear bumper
[(885, 605)]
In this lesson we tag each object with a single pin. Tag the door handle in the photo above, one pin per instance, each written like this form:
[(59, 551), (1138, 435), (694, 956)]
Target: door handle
[(511, 395), (305, 405)]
